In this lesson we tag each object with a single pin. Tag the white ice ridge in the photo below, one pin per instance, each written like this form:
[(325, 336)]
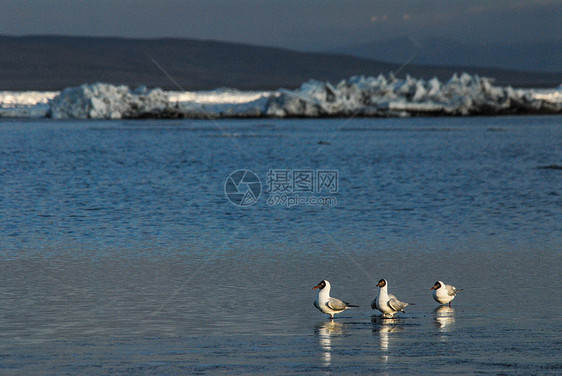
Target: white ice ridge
[(358, 96), (391, 96), (105, 101)]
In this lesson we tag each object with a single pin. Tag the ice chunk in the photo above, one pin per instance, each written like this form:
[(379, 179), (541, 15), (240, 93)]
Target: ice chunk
[(105, 101), (462, 94)]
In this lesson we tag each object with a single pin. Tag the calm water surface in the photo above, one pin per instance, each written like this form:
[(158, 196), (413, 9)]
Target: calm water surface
[(120, 253)]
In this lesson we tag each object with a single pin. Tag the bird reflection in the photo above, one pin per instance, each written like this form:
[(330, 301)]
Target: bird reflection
[(325, 331), (384, 328), (444, 320)]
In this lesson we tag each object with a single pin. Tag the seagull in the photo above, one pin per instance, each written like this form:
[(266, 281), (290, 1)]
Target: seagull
[(443, 293), (387, 303), (326, 304)]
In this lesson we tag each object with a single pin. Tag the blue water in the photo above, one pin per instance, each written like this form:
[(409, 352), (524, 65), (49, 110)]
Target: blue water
[(122, 254), (116, 185)]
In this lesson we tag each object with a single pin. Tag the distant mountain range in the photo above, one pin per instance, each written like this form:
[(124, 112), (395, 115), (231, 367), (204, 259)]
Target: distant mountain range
[(56, 62), (543, 56)]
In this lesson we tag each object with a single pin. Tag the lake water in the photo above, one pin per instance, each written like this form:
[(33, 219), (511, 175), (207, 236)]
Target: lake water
[(121, 253)]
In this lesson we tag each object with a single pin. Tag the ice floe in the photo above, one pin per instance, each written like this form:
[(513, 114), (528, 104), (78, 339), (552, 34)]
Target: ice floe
[(391, 96), (105, 101), (384, 95)]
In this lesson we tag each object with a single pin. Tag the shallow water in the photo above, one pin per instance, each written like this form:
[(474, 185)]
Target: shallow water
[(122, 255)]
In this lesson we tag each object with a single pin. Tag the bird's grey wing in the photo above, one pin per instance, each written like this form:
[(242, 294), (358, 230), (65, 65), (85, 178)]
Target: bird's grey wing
[(396, 304), (336, 304), (374, 303), (452, 290)]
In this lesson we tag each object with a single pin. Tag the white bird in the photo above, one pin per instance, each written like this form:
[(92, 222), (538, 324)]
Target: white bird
[(326, 304), (443, 293), (387, 303)]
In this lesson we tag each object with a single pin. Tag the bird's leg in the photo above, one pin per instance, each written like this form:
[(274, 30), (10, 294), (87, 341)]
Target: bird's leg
[(449, 304)]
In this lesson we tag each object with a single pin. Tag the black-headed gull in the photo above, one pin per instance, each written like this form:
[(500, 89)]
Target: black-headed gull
[(443, 293), (326, 304), (387, 303)]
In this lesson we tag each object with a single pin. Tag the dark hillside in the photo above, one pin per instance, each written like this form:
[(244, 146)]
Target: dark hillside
[(53, 63)]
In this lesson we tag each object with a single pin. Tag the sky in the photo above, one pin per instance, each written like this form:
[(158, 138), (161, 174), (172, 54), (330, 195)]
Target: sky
[(313, 25)]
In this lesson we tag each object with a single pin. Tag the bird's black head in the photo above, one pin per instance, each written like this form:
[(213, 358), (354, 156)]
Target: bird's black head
[(321, 285), (382, 283)]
